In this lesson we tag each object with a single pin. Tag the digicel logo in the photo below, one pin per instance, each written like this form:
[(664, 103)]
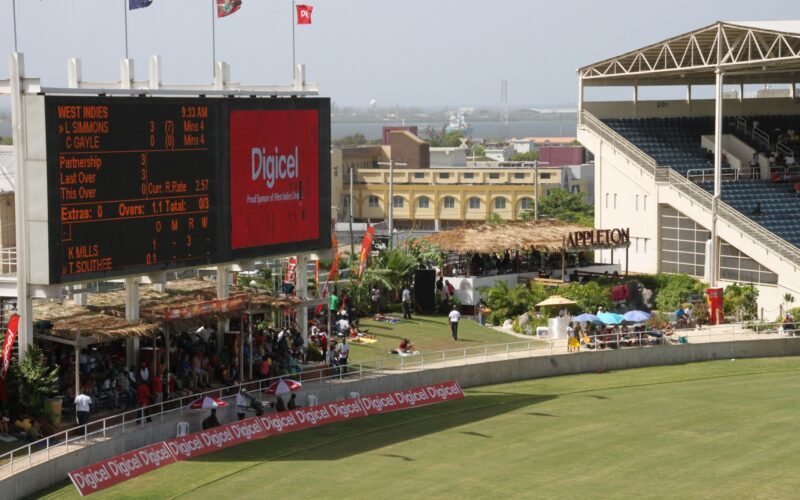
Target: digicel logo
[(271, 167)]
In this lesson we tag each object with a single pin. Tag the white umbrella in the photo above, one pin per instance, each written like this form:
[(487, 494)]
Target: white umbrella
[(207, 403)]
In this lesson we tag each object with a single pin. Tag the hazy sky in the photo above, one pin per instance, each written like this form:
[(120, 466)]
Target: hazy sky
[(411, 52)]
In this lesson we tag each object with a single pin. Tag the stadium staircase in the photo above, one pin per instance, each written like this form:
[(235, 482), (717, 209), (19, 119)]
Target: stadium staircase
[(664, 150)]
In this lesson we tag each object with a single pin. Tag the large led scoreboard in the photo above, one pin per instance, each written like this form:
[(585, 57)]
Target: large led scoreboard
[(137, 185)]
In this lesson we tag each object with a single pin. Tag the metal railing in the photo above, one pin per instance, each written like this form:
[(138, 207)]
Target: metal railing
[(760, 135), (727, 174), (783, 148), (665, 175), (741, 124), (39, 451)]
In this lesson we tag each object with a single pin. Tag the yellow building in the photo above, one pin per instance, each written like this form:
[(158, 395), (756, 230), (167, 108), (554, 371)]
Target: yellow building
[(436, 197)]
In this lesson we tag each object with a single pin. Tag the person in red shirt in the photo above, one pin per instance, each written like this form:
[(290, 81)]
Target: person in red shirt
[(143, 397), (158, 389)]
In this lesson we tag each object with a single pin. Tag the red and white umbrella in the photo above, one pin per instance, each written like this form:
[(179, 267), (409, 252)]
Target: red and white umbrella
[(283, 387), (207, 403)]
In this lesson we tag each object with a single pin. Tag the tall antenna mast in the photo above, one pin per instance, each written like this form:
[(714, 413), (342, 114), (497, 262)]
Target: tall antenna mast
[(504, 110)]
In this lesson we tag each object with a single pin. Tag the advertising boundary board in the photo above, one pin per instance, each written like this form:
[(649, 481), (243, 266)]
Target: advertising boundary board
[(119, 468)]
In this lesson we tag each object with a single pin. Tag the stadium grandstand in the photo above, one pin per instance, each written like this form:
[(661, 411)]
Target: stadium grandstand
[(684, 173)]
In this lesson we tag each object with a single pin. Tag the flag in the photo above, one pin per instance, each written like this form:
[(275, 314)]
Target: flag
[(304, 14), (366, 246), (138, 4), (291, 270), (8, 345), (228, 7)]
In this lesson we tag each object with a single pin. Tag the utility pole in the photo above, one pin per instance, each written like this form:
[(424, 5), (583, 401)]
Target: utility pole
[(536, 164), (391, 163), (350, 206)]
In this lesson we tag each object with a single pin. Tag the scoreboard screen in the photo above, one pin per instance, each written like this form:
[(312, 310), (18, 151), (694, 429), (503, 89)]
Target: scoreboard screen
[(138, 185)]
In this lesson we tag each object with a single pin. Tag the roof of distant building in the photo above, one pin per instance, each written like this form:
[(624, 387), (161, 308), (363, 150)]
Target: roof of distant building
[(553, 140)]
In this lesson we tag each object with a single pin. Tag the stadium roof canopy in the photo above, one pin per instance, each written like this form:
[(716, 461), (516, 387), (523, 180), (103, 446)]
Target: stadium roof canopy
[(747, 52)]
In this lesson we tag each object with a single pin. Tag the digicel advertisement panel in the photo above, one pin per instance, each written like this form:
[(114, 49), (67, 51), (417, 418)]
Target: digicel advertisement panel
[(275, 185)]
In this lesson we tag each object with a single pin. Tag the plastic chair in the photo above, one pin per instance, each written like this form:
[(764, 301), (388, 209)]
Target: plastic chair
[(312, 400), (354, 395), (183, 429)]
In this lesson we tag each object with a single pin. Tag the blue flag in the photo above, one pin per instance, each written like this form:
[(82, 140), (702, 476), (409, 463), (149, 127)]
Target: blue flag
[(138, 4)]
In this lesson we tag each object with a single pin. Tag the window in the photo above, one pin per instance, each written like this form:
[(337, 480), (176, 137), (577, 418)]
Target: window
[(526, 204), (397, 202), (346, 201), (449, 202), (637, 202), (500, 203), (644, 203), (419, 175), (494, 176), (469, 175), (544, 175), (606, 200), (615, 201), (474, 203), (519, 175), (424, 202), (373, 202), (444, 176)]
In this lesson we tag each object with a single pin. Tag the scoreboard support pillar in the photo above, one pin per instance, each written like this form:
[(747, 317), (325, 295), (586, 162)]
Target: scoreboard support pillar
[(24, 303)]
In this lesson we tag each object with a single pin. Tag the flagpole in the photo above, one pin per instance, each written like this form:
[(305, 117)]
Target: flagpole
[(293, 28), (125, 8), (213, 40), (14, 15)]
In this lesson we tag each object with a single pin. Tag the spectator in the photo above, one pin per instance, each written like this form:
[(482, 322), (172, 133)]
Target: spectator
[(292, 405), (344, 353), (82, 407), (334, 305), (242, 403), (211, 421), (376, 299), (453, 318), (123, 386), (158, 389), (757, 210), (143, 397), (406, 297), (144, 373), (280, 406)]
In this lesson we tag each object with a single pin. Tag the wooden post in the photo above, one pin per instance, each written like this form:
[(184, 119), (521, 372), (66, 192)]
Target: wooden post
[(563, 264), (78, 363), (250, 328), (627, 249), (241, 348)]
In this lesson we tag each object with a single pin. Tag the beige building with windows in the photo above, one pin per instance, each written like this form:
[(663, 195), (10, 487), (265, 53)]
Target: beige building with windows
[(436, 198)]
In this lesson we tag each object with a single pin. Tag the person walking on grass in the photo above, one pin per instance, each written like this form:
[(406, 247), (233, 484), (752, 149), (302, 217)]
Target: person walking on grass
[(406, 302), (453, 318)]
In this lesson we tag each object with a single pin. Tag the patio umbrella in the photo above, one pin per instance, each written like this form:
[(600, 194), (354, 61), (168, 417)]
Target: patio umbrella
[(610, 318), (636, 316), (207, 403), (283, 387), (586, 318), (556, 300)]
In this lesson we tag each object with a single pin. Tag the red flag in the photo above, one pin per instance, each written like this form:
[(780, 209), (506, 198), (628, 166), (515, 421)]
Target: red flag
[(8, 345), (334, 269), (366, 246), (228, 7), (304, 14), (291, 271)]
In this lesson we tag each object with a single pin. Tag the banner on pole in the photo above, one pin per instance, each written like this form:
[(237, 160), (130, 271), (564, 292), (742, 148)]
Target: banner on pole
[(366, 246), (304, 14), (8, 345)]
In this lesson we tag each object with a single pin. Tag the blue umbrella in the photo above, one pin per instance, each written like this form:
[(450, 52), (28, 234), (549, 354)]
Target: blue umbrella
[(636, 316), (586, 317), (610, 318)]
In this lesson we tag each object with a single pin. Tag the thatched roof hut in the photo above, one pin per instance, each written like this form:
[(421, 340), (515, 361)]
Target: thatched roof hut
[(545, 235), (69, 322)]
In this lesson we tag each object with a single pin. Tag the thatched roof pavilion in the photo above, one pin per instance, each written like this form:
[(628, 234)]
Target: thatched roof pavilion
[(545, 235)]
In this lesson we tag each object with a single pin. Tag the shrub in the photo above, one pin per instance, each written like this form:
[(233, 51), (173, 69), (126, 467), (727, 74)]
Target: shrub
[(741, 301)]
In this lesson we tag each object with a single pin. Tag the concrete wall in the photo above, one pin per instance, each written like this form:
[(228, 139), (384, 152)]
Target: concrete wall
[(700, 107), (473, 375)]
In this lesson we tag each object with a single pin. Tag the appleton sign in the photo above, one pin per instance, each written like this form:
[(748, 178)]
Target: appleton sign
[(598, 238)]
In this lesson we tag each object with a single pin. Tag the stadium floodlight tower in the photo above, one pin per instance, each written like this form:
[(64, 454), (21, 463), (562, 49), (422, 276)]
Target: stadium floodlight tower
[(723, 53)]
